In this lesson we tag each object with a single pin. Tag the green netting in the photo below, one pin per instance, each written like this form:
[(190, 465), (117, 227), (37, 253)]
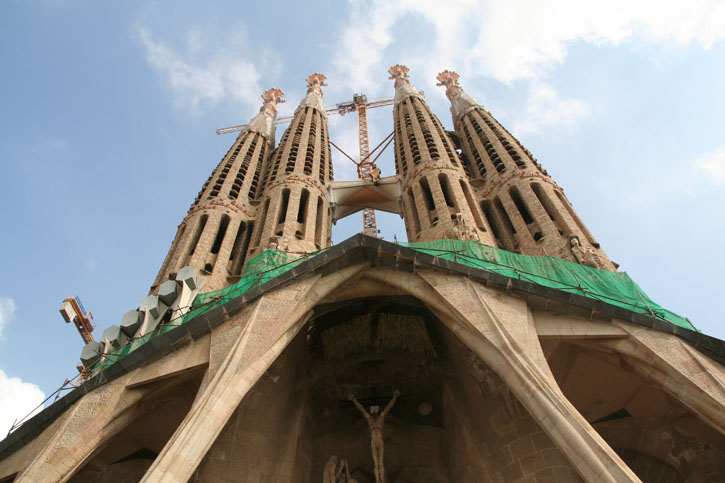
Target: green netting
[(265, 266), (615, 288)]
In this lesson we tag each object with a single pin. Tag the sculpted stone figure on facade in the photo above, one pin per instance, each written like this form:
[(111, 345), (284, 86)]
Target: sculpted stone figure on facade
[(376, 421), (332, 471), (585, 256), (375, 174)]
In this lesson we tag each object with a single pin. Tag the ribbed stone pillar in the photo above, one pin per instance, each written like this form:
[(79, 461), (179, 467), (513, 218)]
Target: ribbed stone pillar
[(294, 212), (437, 199), (214, 236), (527, 210)]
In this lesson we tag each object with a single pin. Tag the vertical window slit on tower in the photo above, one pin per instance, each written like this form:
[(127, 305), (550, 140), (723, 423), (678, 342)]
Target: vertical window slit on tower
[(245, 247), (402, 166), (452, 154), (243, 167), (548, 206), (324, 146), (262, 219), (257, 170), (504, 216), (295, 146), (427, 195), (520, 205), (310, 151), (282, 213), (328, 159), (488, 146), (223, 225), (302, 210), (496, 227), (504, 142), (446, 189), (427, 137), (270, 168), (237, 245), (412, 142), (227, 166), (318, 223), (414, 210), (472, 205), (514, 155), (275, 172), (197, 236), (474, 150)]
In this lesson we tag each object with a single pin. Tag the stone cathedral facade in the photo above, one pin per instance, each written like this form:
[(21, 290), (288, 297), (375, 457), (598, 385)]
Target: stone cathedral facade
[(478, 375)]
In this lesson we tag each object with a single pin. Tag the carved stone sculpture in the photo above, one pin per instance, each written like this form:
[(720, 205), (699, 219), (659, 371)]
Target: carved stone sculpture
[(332, 473), (585, 256), (375, 174), (375, 421)]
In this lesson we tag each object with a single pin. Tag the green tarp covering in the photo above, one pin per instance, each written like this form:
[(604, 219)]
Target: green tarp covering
[(615, 288)]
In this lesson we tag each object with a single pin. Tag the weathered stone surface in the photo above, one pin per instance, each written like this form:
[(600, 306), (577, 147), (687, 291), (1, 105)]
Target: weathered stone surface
[(91, 353), (131, 322), (168, 291)]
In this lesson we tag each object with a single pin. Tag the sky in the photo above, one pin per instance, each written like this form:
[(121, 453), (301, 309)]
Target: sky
[(109, 112)]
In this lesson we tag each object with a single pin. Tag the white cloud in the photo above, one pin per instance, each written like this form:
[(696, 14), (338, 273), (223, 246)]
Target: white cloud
[(224, 76), (521, 39), (17, 399), (510, 41), (713, 165), (7, 309), (545, 110)]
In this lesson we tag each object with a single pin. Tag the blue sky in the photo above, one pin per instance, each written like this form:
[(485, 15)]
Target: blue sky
[(108, 115)]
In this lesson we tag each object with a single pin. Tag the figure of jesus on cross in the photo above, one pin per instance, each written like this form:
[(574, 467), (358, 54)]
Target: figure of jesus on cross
[(375, 421)]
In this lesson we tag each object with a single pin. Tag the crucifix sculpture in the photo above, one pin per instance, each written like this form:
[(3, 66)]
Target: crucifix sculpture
[(376, 420)]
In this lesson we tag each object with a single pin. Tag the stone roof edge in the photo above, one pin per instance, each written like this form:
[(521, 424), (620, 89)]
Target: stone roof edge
[(355, 249)]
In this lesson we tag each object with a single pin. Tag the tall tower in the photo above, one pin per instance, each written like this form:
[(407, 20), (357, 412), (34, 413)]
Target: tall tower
[(214, 236), (527, 210), (438, 201), (294, 214)]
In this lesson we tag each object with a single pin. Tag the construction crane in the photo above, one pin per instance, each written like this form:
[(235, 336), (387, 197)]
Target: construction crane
[(366, 168), (72, 310)]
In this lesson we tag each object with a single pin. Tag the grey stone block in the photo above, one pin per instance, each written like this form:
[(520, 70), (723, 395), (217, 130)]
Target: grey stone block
[(155, 307), (188, 276), (131, 322), (115, 336), (169, 291), (91, 353)]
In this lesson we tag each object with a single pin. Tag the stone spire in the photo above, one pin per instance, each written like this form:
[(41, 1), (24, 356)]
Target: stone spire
[(263, 122), (403, 88), (214, 236), (526, 209), (461, 102), (437, 199), (294, 213), (315, 83)]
